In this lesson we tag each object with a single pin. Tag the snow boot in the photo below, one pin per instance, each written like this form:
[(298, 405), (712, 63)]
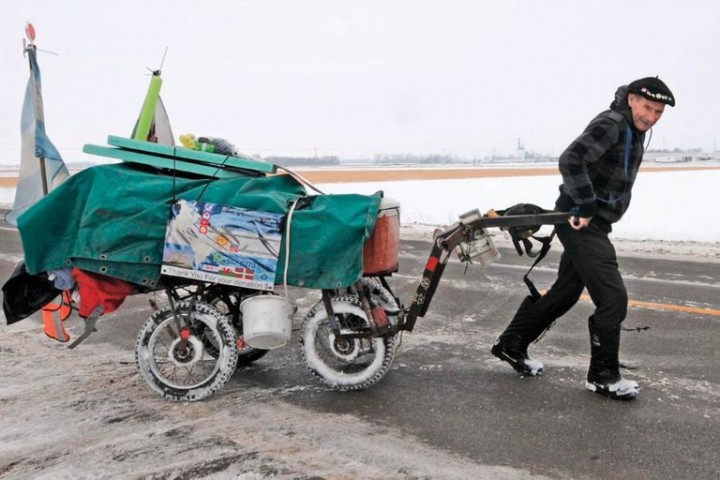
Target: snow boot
[(612, 386), (517, 357), (525, 327), (604, 374)]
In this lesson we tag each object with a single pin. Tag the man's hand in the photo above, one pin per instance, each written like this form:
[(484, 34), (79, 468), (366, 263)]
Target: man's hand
[(578, 223)]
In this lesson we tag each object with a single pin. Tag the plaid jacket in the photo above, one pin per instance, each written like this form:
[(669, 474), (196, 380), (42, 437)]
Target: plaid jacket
[(596, 178)]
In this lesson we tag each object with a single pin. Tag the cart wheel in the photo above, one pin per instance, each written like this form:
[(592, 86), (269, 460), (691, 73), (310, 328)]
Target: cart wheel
[(345, 364), (227, 302), (173, 359)]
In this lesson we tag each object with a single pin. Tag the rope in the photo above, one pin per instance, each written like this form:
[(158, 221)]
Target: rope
[(287, 246), (301, 178)]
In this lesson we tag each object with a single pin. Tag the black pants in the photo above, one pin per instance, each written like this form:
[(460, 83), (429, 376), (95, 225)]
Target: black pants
[(588, 261)]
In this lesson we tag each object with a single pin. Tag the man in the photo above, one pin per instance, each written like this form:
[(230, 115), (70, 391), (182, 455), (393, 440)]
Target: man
[(598, 171)]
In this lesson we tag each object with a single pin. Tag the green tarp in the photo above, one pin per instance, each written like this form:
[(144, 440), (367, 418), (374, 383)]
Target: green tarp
[(111, 220)]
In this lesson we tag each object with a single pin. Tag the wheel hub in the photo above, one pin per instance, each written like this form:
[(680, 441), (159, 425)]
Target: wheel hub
[(343, 348), (185, 352)]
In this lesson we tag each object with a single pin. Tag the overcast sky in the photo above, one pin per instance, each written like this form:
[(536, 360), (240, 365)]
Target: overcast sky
[(354, 78)]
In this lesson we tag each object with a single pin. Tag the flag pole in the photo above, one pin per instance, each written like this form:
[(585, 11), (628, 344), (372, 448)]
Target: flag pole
[(41, 165), (30, 47)]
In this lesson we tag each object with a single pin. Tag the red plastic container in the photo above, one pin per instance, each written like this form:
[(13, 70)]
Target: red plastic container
[(381, 251)]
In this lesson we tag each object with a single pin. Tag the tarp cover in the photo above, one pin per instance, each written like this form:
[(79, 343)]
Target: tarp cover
[(111, 219)]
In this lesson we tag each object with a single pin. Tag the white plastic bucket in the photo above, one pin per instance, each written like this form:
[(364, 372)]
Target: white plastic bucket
[(267, 321)]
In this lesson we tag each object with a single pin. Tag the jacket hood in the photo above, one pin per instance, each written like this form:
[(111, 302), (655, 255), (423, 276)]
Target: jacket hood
[(619, 103)]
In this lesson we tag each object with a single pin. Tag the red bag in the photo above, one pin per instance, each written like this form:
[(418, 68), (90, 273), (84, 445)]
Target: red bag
[(96, 290)]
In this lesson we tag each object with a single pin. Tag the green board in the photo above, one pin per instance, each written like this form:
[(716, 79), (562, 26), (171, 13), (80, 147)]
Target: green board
[(225, 161), (161, 162)]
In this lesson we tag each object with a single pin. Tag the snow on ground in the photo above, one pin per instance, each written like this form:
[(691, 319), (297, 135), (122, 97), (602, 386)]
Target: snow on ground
[(88, 416)]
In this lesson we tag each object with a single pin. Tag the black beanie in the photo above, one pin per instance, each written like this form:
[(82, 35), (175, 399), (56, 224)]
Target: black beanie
[(653, 89)]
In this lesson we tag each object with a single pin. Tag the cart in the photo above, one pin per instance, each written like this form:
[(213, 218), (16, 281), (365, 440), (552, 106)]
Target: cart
[(192, 343)]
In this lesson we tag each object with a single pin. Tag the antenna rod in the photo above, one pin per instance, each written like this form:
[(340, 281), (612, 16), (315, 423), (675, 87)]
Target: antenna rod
[(163, 59)]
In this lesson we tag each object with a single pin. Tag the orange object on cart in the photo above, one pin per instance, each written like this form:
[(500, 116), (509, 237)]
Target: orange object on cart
[(381, 251), (54, 314)]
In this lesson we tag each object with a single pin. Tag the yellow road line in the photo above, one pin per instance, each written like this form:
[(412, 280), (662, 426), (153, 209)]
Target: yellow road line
[(665, 306)]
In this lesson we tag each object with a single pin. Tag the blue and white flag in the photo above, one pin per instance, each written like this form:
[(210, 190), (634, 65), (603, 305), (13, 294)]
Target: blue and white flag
[(37, 153)]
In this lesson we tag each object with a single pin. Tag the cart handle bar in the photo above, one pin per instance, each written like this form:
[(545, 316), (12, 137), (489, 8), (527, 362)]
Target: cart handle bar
[(450, 238)]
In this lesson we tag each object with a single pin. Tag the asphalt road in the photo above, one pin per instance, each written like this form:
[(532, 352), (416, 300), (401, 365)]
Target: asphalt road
[(446, 391)]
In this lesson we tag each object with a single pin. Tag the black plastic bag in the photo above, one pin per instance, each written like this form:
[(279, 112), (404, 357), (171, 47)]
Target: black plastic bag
[(25, 294)]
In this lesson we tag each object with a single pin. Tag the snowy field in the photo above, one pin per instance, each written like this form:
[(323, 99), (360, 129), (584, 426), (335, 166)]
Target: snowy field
[(672, 211), (666, 205), (671, 214)]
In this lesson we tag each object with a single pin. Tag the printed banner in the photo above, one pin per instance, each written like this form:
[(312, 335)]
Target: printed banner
[(222, 244)]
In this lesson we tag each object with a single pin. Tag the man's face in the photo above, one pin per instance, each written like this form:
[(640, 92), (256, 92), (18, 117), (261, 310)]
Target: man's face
[(645, 113)]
